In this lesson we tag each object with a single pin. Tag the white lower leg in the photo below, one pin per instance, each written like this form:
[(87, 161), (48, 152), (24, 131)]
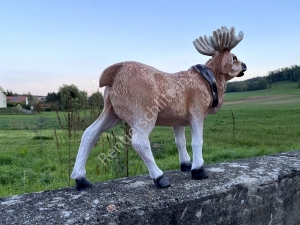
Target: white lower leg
[(181, 144), (197, 142), (197, 155), (142, 145), (89, 139)]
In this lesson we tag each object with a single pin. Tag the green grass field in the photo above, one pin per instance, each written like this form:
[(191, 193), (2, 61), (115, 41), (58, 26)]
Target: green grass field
[(266, 122)]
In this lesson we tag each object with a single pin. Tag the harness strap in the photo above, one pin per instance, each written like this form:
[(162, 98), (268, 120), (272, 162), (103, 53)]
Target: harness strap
[(209, 76)]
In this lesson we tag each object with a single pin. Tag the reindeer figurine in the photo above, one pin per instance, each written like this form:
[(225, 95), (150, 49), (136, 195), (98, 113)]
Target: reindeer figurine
[(143, 97)]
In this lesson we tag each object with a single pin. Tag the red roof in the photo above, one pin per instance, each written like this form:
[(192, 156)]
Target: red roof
[(16, 99)]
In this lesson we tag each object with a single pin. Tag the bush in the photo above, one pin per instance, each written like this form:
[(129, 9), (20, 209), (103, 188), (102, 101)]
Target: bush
[(28, 107), (37, 107), (53, 106), (14, 104), (47, 109)]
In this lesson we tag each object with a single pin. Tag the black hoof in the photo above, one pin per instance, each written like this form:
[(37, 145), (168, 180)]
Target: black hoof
[(199, 174), (184, 167), (82, 184), (161, 182)]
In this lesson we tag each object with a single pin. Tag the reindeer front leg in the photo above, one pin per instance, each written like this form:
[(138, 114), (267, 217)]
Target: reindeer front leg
[(198, 171)]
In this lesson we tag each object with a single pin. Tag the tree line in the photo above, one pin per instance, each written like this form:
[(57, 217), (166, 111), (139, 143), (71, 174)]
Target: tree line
[(69, 96), (291, 74)]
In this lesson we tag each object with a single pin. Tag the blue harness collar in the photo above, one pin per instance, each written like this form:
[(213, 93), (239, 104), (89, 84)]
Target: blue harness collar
[(209, 76)]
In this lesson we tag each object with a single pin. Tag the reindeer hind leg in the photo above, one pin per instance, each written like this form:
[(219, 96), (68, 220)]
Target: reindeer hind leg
[(89, 138), (184, 158), (141, 144)]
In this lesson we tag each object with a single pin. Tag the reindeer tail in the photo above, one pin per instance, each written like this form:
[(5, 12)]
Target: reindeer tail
[(108, 75)]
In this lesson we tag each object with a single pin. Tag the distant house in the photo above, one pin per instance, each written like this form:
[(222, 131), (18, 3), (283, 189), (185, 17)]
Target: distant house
[(2, 98), (19, 98)]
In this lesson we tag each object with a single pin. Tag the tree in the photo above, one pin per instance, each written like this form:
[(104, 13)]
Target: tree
[(285, 74), (299, 83), (261, 83), (72, 97), (54, 100), (53, 97), (96, 99), (9, 93)]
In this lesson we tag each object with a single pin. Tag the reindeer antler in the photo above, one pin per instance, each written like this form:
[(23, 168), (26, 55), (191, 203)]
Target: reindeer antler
[(222, 40)]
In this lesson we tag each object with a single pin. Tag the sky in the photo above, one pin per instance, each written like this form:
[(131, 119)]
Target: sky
[(45, 44)]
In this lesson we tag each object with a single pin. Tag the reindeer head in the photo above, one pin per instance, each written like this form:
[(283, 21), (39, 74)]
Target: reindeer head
[(219, 47)]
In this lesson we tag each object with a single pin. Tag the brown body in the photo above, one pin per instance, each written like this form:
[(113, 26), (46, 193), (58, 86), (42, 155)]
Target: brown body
[(137, 90), (140, 92)]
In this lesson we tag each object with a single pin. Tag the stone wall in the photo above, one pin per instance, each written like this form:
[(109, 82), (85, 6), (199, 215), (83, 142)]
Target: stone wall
[(261, 190)]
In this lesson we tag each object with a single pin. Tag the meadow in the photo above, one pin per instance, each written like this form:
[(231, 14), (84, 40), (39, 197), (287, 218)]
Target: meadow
[(34, 158)]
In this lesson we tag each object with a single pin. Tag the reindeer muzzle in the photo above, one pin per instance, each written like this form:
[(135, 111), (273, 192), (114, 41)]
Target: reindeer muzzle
[(244, 68)]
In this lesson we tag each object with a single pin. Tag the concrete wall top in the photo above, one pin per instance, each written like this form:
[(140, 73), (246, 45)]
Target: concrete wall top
[(260, 190)]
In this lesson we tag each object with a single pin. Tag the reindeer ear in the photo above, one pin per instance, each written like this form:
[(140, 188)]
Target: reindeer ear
[(227, 63)]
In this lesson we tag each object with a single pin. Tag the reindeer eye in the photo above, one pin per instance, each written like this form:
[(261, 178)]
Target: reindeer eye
[(234, 58)]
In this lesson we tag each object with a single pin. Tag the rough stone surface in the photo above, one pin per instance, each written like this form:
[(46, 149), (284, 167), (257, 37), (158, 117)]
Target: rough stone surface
[(261, 190)]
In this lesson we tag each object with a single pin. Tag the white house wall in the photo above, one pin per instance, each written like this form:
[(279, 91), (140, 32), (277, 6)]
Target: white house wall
[(2, 100)]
